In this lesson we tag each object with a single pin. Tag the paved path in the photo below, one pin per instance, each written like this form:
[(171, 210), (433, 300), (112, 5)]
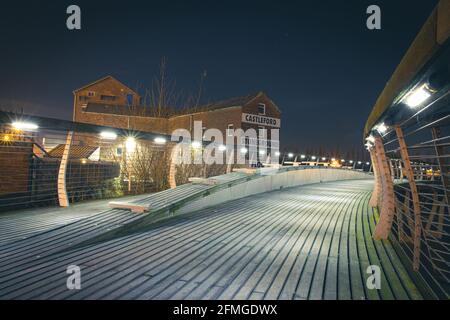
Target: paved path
[(309, 242)]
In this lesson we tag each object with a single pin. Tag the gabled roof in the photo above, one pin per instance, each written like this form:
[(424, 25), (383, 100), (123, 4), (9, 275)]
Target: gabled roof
[(236, 102), (103, 79)]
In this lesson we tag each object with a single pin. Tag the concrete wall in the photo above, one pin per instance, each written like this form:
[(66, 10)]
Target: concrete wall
[(268, 183)]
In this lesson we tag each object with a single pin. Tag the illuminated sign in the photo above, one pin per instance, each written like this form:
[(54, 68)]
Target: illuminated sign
[(261, 120)]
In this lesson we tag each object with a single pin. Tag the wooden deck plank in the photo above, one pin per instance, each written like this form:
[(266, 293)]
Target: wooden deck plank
[(309, 242)]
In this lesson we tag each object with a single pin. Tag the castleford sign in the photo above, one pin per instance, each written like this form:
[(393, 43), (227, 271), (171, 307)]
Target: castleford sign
[(262, 120)]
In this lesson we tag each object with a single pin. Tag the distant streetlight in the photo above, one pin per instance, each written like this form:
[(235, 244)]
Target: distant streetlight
[(324, 158), (243, 150), (290, 155), (262, 152), (277, 153), (222, 147), (313, 158), (302, 156)]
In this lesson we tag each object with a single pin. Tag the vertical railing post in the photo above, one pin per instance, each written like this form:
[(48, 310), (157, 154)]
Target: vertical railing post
[(230, 161), (173, 167), (442, 162), (387, 203), (373, 202), (415, 196), (62, 191)]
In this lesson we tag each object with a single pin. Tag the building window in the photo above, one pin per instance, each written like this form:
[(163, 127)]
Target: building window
[(119, 152), (91, 93), (84, 98), (262, 109), (230, 129), (107, 98)]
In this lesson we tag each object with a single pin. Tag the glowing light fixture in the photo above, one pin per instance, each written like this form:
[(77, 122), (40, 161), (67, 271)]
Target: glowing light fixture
[(381, 128), (417, 96), (323, 158), (370, 139), (222, 147), (243, 150), (342, 160), (367, 163), (108, 135), (290, 155), (262, 152), (302, 156), (333, 159), (130, 144), (159, 140), (351, 161), (313, 157), (277, 153), (196, 144), (22, 125), (359, 162)]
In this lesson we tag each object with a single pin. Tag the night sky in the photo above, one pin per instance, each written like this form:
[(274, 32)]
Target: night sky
[(315, 59)]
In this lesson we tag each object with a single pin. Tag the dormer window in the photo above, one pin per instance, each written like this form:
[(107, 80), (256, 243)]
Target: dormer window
[(91, 93), (261, 109)]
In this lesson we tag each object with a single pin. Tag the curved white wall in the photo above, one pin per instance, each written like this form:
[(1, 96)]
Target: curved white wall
[(268, 183)]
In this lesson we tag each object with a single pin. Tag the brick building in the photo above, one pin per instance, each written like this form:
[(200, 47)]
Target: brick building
[(111, 103)]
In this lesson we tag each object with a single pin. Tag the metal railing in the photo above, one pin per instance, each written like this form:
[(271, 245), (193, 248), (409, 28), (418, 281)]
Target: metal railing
[(410, 148)]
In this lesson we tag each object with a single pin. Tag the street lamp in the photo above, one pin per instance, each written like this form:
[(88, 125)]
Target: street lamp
[(302, 156), (290, 155)]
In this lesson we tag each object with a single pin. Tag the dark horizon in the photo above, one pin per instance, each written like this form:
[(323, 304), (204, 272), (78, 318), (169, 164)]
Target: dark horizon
[(317, 61)]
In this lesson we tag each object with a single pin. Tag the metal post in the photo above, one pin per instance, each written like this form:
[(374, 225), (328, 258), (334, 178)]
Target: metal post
[(62, 191), (384, 225), (442, 162), (415, 196)]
